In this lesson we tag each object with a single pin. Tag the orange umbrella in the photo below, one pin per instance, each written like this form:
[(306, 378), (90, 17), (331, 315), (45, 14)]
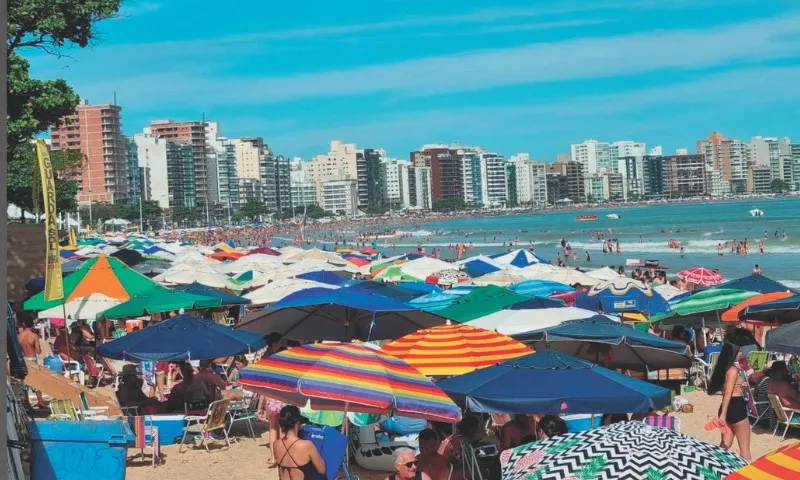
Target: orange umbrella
[(732, 315), (780, 464), (223, 255), (454, 349)]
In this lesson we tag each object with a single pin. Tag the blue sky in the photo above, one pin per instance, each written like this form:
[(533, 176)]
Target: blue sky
[(513, 76)]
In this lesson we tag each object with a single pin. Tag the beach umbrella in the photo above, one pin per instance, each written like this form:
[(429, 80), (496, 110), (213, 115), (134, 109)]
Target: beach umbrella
[(454, 349), (130, 257), (81, 308), (190, 272), (568, 276), (223, 256), (500, 278), (448, 277), (702, 308), (434, 301), (358, 261), (625, 450), (182, 338), (520, 323), (784, 339), (393, 273), (755, 283), (265, 251), (604, 273), (669, 292), (736, 312), (278, 290), (481, 301), (784, 310), (102, 274), (152, 267), (348, 377), (324, 276), (782, 463), (369, 251), (378, 265), (540, 288), (314, 254), (223, 247), (399, 293), (334, 315), (480, 265), (552, 382), (622, 294), (701, 276), (161, 300), (621, 346), (536, 303), (424, 266), (518, 258), (225, 298)]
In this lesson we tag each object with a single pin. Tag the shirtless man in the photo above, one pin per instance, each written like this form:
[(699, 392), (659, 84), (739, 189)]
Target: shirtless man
[(430, 462), (31, 349)]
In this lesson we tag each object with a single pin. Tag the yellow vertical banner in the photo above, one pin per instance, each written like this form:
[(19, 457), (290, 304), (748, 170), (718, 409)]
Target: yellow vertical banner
[(53, 285), (73, 239)]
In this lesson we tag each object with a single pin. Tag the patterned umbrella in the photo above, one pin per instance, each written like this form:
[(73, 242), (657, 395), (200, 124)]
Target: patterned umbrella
[(350, 377), (783, 463), (734, 313), (454, 349), (701, 276), (448, 277), (622, 295), (628, 450)]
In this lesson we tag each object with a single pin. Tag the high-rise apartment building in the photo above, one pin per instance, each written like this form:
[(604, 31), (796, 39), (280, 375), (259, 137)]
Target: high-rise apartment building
[(728, 155), (632, 170), (133, 173), (420, 184), (686, 175), (96, 131), (493, 169), (248, 156), (193, 134), (557, 188), (371, 187), (445, 168), (276, 186), (759, 179), (340, 197), (593, 156), (304, 191), (227, 180), (340, 163), (250, 189), (167, 171), (394, 174), (531, 180), (654, 178), (794, 158)]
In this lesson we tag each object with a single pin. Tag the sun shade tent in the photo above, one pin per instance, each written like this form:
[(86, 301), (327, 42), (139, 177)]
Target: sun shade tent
[(319, 314), (573, 386)]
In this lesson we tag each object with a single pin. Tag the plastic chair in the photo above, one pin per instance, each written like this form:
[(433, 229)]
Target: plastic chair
[(64, 410), (241, 411), (110, 371), (212, 421), (786, 416), (93, 369), (73, 367), (89, 412), (146, 436)]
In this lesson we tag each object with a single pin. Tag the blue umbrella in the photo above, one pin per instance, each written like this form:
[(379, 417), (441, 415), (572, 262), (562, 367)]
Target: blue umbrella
[(622, 295), (785, 339), (479, 266), (552, 382), (324, 276), (399, 293), (519, 258), (434, 301), (341, 315), (621, 346), (784, 310), (540, 288), (755, 283), (182, 338), (225, 298), (536, 303), (422, 287)]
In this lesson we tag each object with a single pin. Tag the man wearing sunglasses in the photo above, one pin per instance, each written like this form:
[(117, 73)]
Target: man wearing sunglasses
[(405, 466)]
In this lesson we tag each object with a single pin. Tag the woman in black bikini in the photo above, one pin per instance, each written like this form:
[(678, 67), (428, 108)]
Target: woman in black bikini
[(296, 457), (733, 411)]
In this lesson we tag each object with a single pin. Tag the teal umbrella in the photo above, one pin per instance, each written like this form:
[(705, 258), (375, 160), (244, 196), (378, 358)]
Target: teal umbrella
[(161, 301), (702, 308)]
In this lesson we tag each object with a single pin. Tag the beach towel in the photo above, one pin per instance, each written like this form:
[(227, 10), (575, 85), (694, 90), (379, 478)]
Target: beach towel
[(663, 421)]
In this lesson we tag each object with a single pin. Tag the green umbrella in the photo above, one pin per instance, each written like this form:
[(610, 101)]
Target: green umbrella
[(394, 274), (703, 308), (383, 263), (161, 301), (480, 302)]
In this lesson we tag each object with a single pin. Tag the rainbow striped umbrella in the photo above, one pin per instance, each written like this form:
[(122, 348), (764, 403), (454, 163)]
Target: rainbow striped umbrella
[(782, 463), (454, 349), (349, 377)]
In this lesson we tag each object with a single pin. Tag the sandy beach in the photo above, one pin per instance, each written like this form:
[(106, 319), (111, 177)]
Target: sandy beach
[(247, 458)]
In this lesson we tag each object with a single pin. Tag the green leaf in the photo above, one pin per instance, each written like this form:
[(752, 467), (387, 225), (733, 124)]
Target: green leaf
[(729, 459), (707, 473), (563, 446), (653, 474), (593, 469), (538, 474)]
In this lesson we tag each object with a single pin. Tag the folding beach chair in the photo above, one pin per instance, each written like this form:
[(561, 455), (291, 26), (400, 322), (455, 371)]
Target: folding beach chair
[(202, 426), (64, 410), (757, 360), (241, 411), (785, 416), (89, 412), (146, 436), (110, 370), (670, 422)]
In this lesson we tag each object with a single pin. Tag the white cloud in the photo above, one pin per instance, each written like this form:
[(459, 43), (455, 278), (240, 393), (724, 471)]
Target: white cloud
[(131, 9)]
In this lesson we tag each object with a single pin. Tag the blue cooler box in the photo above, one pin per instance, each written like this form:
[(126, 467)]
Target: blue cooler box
[(64, 450), (580, 422), (170, 427), (331, 444)]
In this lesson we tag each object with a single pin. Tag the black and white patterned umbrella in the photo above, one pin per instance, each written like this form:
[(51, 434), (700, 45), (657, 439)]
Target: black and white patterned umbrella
[(623, 451)]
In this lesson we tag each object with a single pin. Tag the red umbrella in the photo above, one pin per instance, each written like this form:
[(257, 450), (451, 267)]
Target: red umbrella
[(264, 250), (223, 255), (701, 276), (369, 251), (358, 261)]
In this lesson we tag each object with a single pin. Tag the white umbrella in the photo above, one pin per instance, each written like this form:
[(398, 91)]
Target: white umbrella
[(568, 276), (604, 273), (82, 308), (424, 266), (116, 221), (516, 322), (500, 278), (186, 273), (314, 254), (276, 291), (257, 262), (668, 291)]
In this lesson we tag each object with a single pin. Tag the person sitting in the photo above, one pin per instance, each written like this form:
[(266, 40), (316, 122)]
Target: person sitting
[(129, 393), (189, 393), (781, 385), (513, 432), (467, 431), (214, 383), (430, 461), (296, 457), (406, 466), (551, 426), (612, 418)]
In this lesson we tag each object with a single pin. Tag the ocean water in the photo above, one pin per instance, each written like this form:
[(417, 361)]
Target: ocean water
[(643, 233)]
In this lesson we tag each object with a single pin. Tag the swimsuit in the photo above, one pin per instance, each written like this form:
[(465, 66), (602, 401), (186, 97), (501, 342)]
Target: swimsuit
[(308, 469)]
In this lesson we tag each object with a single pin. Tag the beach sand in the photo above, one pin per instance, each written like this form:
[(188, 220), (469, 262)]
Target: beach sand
[(247, 458)]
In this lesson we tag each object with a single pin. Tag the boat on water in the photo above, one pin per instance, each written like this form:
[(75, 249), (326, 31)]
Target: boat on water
[(586, 218), (756, 212), (613, 216)]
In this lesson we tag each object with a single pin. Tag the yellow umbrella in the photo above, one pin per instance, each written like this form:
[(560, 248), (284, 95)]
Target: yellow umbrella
[(780, 464)]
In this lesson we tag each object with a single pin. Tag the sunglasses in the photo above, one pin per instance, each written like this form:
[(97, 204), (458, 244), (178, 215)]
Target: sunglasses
[(409, 464)]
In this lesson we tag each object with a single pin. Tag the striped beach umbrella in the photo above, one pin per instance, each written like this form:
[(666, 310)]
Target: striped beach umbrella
[(783, 463), (700, 276), (349, 377), (454, 349)]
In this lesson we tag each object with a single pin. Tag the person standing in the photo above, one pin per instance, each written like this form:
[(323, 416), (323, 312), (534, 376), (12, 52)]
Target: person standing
[(733, 411), (31, 349)]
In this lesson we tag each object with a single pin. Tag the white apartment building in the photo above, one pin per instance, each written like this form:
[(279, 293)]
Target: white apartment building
[(493, 170), (394, 174), (599, 157), (304, 191), (717, 186), (339, 196), (340, 163), (531, 180), (423, 188), (248, 152)]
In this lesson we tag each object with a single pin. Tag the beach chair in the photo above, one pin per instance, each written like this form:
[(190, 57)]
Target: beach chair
[(146, 436), (202, 426), (93, 370), (786, 416), (89, 412), (110, 370), (670, 422), (757, 360), (242, 411), (73, 367), (64, 410)]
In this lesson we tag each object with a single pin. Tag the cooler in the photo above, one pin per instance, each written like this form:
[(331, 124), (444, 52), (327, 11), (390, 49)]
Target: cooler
[(332, 446), (65, 450), (580, 422), (170, 427)]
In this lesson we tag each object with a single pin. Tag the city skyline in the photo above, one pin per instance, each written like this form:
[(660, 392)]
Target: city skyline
[(513, 77)]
